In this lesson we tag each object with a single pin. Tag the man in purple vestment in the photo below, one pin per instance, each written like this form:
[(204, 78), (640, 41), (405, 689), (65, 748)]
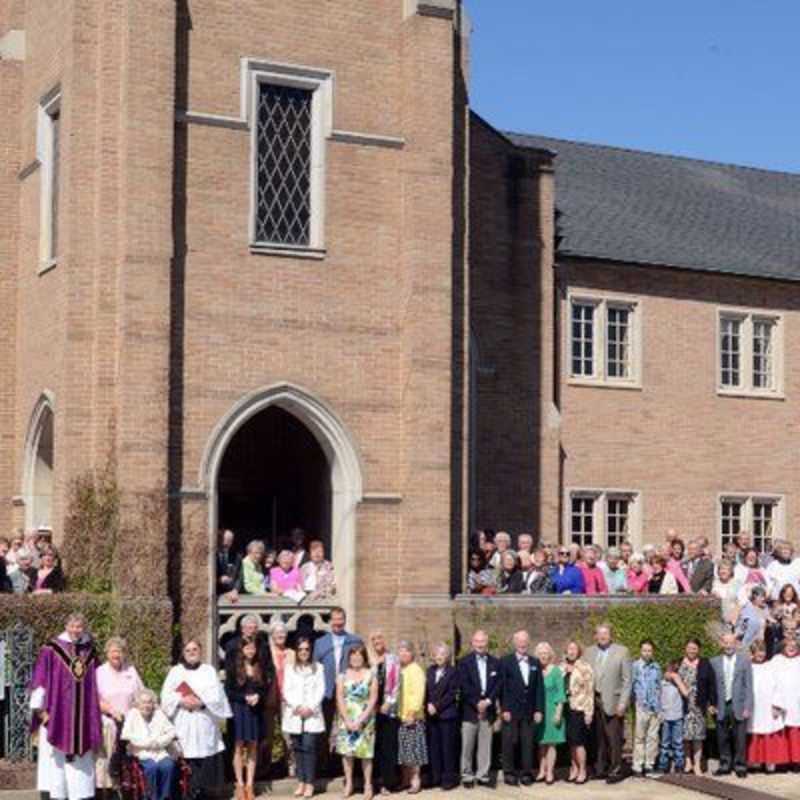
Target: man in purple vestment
[(66, 710)]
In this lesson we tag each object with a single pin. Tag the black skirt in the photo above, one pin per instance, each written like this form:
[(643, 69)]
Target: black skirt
[(248, 722), (207, 773), (576, 728)]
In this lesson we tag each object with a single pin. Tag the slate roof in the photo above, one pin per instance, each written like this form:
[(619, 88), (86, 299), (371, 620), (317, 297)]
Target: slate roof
[(647, 208)]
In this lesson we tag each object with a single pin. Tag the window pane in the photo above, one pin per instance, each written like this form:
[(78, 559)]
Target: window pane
[(582, 529), (618, 337), (617, 521), (763, 360), (283, 168), (730, 349), (763, 520), (730, 520), (583, 339)]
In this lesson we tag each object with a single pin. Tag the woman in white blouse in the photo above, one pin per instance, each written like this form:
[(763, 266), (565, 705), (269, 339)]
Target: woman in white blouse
[(303, 691), (151, 739), (194, 699)]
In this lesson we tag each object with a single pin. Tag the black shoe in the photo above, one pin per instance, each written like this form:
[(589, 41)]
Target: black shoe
[(741, 772), (526, 780), (485, 782), (721, 772), (615, 777), (511, 780), (468, 784), (599, 776)]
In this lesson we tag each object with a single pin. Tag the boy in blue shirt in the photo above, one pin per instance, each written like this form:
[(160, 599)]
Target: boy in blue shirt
[(646, 688)]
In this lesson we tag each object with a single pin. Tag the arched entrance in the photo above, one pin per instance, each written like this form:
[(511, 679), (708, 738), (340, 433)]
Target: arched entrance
[(275, 477), (39, 465), (281, 458)]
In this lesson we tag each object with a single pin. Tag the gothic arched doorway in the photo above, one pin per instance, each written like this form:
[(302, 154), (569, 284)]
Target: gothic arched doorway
[(39, 466), (274, 477)]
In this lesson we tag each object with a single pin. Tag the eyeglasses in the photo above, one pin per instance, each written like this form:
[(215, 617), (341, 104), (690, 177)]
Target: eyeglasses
[(563, 552)]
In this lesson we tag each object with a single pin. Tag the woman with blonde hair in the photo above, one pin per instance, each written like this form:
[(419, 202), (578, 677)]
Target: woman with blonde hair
[(412, 749), (386, 667), (118, 684), (579, 708), (551, 731)]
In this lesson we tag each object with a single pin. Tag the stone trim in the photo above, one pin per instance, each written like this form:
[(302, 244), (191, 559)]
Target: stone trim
[(213, 120), (12, 45), (29, 169), (385, 498), (440, 10), (190, 493), (368, 139)]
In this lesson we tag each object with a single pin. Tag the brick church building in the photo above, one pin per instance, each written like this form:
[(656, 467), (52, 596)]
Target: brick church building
[(264, 259)]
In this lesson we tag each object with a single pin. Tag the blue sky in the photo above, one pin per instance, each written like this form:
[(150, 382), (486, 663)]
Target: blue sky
[(713, 79)]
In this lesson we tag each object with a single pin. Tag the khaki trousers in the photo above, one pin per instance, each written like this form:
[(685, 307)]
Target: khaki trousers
[(645, 740)]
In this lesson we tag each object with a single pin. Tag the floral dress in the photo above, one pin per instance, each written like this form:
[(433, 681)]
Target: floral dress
[(360, 743), (694, 724)]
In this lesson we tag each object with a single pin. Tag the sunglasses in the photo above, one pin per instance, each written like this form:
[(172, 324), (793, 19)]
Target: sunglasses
[(563, 552)]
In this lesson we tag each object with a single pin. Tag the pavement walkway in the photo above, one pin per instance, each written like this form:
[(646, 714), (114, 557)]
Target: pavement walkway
[(782, 787)]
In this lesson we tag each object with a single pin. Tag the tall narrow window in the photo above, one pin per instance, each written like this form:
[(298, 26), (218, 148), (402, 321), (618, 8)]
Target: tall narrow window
[(289, 109), (616, 521), (730, 351), (731, 520), (618, 357), (48, 152), (763, 374), (283, 171), (583, 339), (763, 520), (582, 527)]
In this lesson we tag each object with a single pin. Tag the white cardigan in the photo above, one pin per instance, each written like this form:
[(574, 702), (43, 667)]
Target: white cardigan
[(303, 687), (154, 740)]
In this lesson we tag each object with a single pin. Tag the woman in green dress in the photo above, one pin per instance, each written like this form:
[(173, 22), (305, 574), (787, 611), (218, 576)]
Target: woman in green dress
[(356, 695), (551, 732)]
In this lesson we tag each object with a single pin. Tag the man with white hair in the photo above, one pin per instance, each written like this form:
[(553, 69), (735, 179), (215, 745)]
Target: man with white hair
[(502, 541), (66, 712), (522, 701)]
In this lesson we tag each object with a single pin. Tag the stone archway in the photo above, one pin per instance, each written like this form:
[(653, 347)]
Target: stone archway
[(38, 478), (344, 474)]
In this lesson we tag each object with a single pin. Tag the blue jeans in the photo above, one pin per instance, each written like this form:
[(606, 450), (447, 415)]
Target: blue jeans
[(305, 756), (671, 745), (160, 777)]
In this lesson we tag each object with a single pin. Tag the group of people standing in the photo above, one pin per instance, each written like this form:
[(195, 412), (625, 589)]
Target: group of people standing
[(403, 722)]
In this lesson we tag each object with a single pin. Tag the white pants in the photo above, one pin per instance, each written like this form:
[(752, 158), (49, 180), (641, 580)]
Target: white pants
[(64, 780)]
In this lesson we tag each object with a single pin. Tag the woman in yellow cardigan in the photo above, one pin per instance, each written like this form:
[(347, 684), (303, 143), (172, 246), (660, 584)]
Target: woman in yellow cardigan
[(412, 748)]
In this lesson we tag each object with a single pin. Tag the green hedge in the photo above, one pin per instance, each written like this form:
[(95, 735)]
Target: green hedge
[(668, 625), (146, 623)]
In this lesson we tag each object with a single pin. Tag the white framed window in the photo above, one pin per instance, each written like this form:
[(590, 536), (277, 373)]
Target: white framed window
[(48, 153), (762, 515), (602, 516), (290, 112), (604, 340), (750, 353)]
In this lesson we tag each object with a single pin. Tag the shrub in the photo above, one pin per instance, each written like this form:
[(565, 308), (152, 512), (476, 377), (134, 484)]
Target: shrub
[(669, 625), (145, 622)]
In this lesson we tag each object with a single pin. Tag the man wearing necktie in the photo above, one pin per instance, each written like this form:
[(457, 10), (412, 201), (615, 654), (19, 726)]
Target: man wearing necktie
[(522, 702), (479, 685), (734, 706)]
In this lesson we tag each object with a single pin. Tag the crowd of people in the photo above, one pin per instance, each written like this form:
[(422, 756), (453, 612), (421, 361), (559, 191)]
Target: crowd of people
[(297, 571), (30, 564), (758, 591), (407, 724)]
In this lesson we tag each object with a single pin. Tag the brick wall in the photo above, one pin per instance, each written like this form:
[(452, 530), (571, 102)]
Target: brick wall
[(677, 441)]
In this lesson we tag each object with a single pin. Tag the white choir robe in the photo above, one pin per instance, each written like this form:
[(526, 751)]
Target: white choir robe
[(766, 694), (61, 779), (787, 676), (199, 732)]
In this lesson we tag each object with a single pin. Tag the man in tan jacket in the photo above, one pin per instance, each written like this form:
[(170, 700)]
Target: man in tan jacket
[(611, 664)]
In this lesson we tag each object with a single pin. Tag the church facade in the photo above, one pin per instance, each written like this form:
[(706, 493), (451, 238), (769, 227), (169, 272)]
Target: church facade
[(264, 260)]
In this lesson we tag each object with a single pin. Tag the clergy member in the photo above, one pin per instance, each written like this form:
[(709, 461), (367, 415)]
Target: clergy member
[(66, 712)]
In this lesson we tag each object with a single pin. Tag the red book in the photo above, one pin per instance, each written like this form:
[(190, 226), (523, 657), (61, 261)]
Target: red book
[(184, 690)]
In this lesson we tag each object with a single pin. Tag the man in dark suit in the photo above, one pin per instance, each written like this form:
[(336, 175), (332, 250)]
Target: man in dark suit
[(479, 683), (441, 708), (522, 701), (734, 679), (698, 568), (228, 563)]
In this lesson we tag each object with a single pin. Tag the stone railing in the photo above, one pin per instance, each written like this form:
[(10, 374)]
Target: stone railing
[(308, 614)]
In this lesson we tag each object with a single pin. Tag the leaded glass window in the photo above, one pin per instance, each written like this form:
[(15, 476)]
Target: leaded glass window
[(730, 351), (616, 521), (763, 375), (618, 342), (283, 165), (582, 526), (583, 339)]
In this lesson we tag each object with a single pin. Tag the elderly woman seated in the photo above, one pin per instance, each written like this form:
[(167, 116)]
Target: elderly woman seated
[(151, 740), (23, 577), (317, 573)]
